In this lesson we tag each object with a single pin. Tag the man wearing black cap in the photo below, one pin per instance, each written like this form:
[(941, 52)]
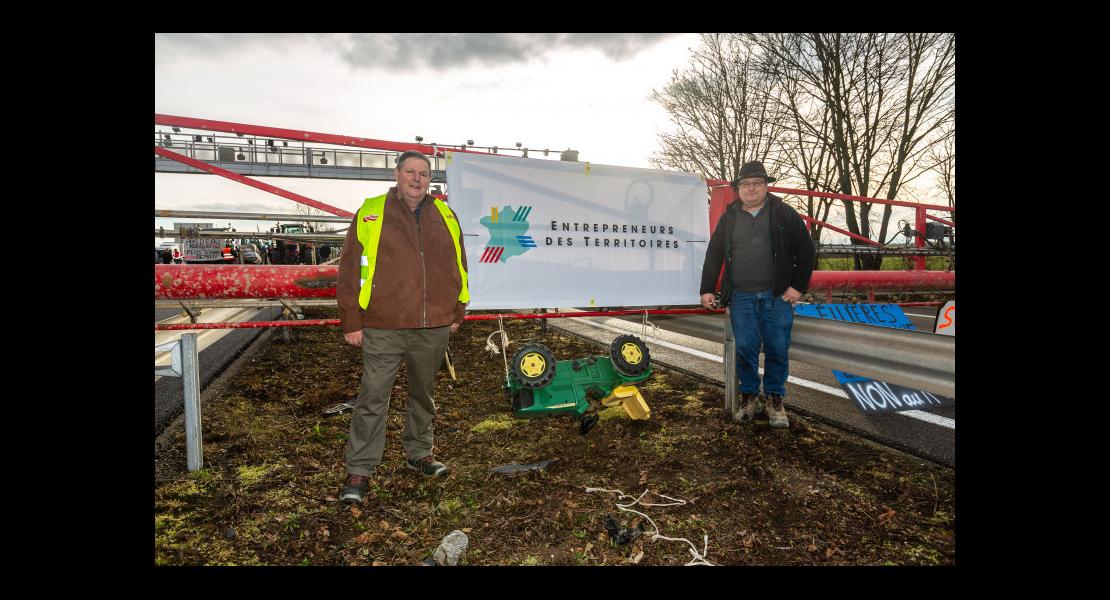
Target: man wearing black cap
[(768, 257)]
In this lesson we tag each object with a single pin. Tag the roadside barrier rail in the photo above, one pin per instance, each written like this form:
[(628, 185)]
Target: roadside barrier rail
[(185, 363), (210, 282)]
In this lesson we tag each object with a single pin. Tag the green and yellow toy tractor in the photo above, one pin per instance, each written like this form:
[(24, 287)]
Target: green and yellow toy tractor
[(538, 386)]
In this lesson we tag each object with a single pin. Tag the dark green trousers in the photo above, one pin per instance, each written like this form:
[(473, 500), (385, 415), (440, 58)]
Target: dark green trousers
[(382, 352)]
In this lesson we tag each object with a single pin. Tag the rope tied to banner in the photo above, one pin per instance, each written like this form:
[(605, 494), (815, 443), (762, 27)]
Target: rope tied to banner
[(699, 558), (504, 344), (644, 326)]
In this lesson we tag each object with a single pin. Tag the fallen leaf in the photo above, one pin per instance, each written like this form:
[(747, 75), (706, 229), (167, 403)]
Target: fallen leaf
[(363, 538), (401, 535), (812, 547), (331, 499), (643, 477), (377, 563), (355, 511), (383, 525), (828, 552), (635, 559), (570, 503), (467, 529), (588, 546)]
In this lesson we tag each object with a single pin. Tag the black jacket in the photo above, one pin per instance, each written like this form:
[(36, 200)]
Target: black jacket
[(792, 250)]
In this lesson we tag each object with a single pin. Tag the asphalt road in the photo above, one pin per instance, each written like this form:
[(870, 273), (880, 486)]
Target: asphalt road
[(169, 392)]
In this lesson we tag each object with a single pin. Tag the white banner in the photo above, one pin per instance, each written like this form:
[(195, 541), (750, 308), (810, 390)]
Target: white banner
[(549, 234)]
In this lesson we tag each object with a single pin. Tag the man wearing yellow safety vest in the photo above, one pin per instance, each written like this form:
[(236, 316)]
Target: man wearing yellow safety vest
[(401, 292)]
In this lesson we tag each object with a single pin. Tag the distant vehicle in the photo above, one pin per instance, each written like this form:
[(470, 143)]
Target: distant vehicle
[(165, 250), (288, 252), (251, 254)]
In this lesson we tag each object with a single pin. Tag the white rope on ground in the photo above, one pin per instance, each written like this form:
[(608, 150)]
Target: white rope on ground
[(699, 559)]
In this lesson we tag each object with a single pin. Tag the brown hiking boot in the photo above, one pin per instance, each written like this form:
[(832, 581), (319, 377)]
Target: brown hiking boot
[(749, 407), (354, 489), (776, 413)]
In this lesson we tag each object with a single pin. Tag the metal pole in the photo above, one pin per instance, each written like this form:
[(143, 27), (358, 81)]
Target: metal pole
[(730, 364), (190, 374), (919, 261)]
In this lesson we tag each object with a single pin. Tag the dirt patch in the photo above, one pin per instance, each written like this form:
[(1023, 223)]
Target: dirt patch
[(274, 465)]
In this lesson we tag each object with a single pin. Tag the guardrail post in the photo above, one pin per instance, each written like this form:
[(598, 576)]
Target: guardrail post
[(190, 374), (919, 224), (730, 364)]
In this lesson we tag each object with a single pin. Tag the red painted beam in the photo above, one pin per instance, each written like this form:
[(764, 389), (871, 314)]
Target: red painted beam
[(304, 136), (210, 282), (883, 280), (203, 166), (940, 220)]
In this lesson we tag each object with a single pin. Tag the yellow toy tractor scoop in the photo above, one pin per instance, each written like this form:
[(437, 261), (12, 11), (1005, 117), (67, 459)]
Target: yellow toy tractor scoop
[(630, 398)]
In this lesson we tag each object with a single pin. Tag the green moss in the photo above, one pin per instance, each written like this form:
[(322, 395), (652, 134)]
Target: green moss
[(530, 561), (202, 475), (449, 506), (611, 413), (496, 423), (249, 474)]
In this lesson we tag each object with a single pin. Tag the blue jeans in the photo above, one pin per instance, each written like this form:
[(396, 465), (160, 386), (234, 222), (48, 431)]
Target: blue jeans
[(761, 318)]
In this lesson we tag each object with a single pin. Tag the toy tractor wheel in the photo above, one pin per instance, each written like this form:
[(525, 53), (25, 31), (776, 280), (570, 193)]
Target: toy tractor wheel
[(630, 355), (533, 366)]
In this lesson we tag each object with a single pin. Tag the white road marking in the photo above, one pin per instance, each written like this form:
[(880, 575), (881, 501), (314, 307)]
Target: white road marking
[(813, 385)]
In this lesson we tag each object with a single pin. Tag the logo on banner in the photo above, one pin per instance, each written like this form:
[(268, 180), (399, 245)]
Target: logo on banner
[(507, 233)]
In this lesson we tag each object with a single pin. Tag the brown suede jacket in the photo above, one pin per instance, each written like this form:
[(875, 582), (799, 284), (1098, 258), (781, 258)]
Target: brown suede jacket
[(416, 280)]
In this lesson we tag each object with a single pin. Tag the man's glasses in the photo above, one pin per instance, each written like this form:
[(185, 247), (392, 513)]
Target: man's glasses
[(750, 184)]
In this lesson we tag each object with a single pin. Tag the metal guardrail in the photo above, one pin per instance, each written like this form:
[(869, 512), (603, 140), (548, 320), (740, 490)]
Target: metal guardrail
[(255, 150), (914, 359), (310, 237), (185, 363), (208, 214)]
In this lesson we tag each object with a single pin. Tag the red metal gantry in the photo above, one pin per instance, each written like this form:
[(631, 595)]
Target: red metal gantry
[(294, 281)]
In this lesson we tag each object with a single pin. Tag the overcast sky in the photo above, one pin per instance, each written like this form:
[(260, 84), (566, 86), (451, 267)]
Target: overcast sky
[(588, 92)]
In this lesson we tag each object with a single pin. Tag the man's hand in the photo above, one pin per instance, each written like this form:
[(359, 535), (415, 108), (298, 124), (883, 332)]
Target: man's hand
[(709, 301), (354, 338), (455, 327), (792, 295)]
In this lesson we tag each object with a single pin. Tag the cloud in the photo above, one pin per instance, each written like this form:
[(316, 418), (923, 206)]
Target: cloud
[(393, 51)]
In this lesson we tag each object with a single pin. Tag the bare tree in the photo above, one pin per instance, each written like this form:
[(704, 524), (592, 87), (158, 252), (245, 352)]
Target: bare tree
[(305, 210), (722, 112), (882, 99), (943, 155)]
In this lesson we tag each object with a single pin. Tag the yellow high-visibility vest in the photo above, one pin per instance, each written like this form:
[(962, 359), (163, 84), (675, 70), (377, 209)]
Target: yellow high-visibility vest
[(370, 218)]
